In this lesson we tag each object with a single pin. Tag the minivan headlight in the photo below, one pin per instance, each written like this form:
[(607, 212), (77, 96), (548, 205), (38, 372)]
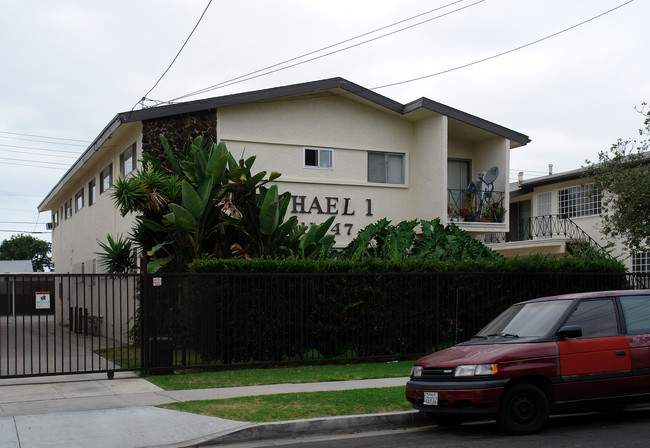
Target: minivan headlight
[(477, 370), (416, 371)]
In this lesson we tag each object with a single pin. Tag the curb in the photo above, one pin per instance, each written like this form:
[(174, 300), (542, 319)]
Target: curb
[(320, 426)]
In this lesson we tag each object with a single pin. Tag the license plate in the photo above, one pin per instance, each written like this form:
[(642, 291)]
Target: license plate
[(431, 398)]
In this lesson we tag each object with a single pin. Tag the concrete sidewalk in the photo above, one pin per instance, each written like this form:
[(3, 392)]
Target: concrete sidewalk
[(90, 410)]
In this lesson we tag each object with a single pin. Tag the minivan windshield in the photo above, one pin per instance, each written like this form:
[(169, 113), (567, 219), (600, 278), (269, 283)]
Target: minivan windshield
[(534, 319)]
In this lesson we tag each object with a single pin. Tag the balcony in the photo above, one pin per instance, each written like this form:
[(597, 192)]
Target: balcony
[(544, 230), (475, 207)]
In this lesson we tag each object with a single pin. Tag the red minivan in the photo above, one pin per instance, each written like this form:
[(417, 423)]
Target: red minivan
[(542, 356)]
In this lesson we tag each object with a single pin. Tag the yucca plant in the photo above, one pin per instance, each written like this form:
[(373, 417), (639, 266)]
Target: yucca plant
[(118, 255)]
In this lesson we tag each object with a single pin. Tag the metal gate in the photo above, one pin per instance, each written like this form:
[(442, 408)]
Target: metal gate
[(53, 324)]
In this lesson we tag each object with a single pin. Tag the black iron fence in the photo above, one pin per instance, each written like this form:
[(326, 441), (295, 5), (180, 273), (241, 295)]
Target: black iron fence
[(60, 324), (53, 324), (243, 319)]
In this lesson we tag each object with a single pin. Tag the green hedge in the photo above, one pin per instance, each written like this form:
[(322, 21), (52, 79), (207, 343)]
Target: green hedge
[(533, 263), (264, 310)]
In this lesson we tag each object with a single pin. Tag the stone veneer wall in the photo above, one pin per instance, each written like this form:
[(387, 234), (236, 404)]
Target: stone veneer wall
[(177, 129)]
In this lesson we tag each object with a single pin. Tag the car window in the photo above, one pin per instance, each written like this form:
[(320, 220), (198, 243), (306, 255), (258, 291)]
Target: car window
[(636, 310), (597, 318), (533, 319)]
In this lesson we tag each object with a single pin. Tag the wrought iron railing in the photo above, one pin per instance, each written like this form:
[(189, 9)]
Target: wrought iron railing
[(463, 205), (547, 226)]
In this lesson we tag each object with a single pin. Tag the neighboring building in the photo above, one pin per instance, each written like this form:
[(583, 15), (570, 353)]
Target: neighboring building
[(16, 266), (342, 150), (558, 214)]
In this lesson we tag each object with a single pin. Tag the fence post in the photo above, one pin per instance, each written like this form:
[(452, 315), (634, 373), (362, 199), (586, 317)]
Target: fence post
[(302, 316), (437, 302), (144, 321)]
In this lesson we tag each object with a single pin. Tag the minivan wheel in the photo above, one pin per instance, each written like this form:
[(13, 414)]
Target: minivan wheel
[(524, 409)]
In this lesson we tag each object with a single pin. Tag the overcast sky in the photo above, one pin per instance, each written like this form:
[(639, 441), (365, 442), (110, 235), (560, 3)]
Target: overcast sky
[(69, 66)]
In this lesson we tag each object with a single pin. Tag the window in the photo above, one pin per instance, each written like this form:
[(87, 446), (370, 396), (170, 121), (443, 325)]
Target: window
[(317, 158), (386, 167), (105, 178), (55, 219), (640, 262), (127, 160), (79, 200), (636, 310), (67, 207), (583, 200), (597, 318), (92, 192)]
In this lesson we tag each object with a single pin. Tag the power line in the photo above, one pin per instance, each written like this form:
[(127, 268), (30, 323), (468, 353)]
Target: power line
[(248, 76), (44, 136), (227, 83), (39, 154), (177, 55), (11, 193), (26, 160), (22, 222), (505, 52), (43, 141), (31, 165), (26, 231), (258, 73)]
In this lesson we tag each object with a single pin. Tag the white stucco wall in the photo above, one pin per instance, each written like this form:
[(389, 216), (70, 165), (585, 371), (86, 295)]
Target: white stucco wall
[(590, 224), (74, 241), (277, 132)]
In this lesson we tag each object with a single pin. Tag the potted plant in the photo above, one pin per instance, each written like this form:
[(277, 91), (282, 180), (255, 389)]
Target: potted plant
[(468, 212), (498, 213)]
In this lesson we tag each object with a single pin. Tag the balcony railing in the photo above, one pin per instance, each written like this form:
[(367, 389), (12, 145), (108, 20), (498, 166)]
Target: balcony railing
[(545, 227), (483, 206)]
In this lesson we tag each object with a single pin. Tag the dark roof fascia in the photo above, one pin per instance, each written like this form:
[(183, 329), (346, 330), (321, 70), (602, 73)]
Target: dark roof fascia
[(473, 120), (262, 95), (87, 154)]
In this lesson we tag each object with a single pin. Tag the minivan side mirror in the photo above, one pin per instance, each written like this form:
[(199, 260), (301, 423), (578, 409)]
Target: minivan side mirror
[(569, 331)]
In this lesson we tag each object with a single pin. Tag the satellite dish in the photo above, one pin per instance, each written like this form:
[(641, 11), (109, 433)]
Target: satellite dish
[(491, 175)]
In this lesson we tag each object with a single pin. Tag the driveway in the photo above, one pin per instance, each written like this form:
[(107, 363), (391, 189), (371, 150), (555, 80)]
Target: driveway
[(38, 345)]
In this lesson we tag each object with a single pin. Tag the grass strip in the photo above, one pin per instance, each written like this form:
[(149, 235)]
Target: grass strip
[(281, 407), (281, 375)]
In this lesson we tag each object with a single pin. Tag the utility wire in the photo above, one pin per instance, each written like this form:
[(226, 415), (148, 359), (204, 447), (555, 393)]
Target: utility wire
[(39, 149), (249, 76), (37, 161), (44, 136), (225, 84), (175, 57), (31, 165), (505, 52), (43, 141), (25, 231)]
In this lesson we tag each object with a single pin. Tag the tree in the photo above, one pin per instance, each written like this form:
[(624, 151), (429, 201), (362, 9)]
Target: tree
[(202, 202), (622, 177), (26, 247)]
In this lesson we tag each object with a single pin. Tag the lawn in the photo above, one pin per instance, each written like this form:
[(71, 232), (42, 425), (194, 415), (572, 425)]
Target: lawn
[(269, 408), (281, 375)]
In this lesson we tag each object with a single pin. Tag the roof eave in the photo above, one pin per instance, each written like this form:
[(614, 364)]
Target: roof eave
[(470, 119), (81, 161)]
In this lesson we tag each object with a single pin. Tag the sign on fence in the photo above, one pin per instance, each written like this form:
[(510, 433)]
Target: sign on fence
[(43, 300)]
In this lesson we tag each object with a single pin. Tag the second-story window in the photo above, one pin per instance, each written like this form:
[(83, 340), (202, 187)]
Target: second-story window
[(127, 160), (578, 201), (318, 158), (92, 192), (79, 200), (67, 209), (105, 178), (386, 167)]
